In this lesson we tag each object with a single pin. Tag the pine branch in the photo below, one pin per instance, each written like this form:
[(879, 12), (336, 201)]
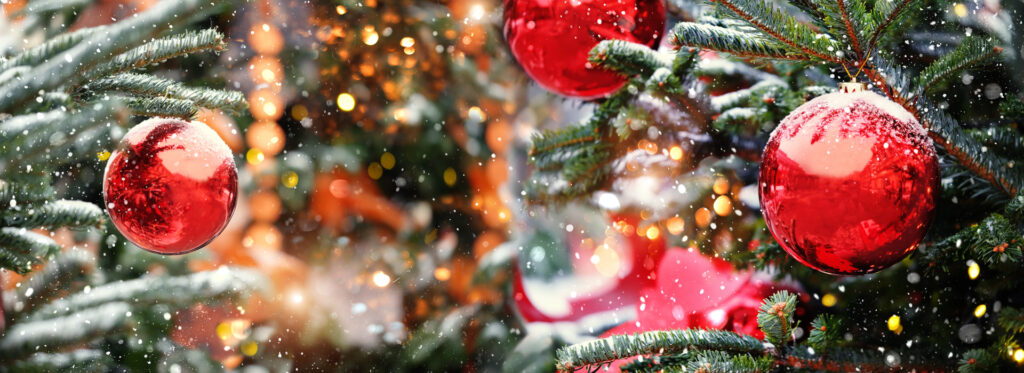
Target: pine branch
[(161, 107), (1011, 320), (628, 58), (24, 192), (55, 276), (174, 291), (775, 318), (38, 137), (50, 48), (825, 332), (68, 66), (21, 249), (783, 27), (971, 52), (50, 6), (718, 361), (851, 30), (160, 50), (79, 361), (24, 338), (1005, 140), (56, 214), (150, 86), (617, 347), (977, 361), (886, 13), (735, 42)]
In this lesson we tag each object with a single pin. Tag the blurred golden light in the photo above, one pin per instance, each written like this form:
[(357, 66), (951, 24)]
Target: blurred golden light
[(223, 330), (721, 185), (387, 160), (249, 348), (266, 39), (254, 156), (442, 274), (370, 36), (266, 136), (263, 236), (960, 10), (240, 328), (409, 51), (676, 153), (300, 112), (268, 75), (341, 10), (703, 217), (270, 109), (264, 104), (449, 176), (649, 147), (606, 261), (375, 170), (346, 102), (1018, 355), (893, 323), (265, 206), (290, 179), (103, 155), (829, 300), (477, 11), (476, 113), (407, 42), (381, 279), (980, 310), (675, 225), (973, 269), (723, 205), (653, 232)]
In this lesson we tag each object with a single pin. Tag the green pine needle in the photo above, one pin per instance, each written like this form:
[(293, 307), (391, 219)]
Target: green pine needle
[(971, 52), (153, 87), (56, 214), (732, 41), (616, 347), (775, 318), (21, 249)]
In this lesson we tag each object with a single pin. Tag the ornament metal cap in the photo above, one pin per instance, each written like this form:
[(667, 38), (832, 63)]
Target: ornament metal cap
[(851, 87)]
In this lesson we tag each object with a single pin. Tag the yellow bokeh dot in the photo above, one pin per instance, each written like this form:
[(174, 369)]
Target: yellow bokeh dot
[(703, 217), (721, 185), (290, 179), (387, 160), (442, 274), (254, 156), (960, 10), (675, 225), (346, 102), (829, 300), (250, 348), (653, 233), (224, 330), (1018, 355), (449, 176), (893, 323), (381, 279), (723, 205), (676, 153), (370, 36), (980, 310), (341, 10), (973, 270), (407, 42), (477, 114), (300, 112), (103, 155), (375, 170)]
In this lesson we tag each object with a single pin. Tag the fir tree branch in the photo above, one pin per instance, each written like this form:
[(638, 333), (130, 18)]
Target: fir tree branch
[(825, 332), (21, 249), (56, 214), (775, 318), (628, 58), (719, 361), (617, 347), (45, 284), (80, 360), (160, 50), (784, 28), (161, 107), (990, 241), (150, 86), (977, 361), (887, 16), (50, 6), (851, 31), (972, 51), (174, 291), (50, 48), (27, 337), (68, 66), (735, 42), (24, 192)]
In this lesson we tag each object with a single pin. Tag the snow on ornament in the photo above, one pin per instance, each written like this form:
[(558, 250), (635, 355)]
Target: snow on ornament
[(551, 39), (848, 182), (171, 185)]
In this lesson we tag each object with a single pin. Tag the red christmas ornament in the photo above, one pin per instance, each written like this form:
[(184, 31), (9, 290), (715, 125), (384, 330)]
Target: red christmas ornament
[(171, 185), (552, 38), (848, 182)]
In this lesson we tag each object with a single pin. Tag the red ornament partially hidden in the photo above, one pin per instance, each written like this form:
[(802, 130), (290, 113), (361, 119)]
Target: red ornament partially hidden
[(552, 38), (848, 182), (171, 185)]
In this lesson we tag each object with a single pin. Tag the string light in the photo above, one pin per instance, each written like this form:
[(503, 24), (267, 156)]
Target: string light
[(653, 233), (477, 11), (375, 170), (894, 323), (387, 160), (370, 36), (721, 185), (973, 269), (703, 217), (1018, 355), (346, 102), (980, 310), (449, 176), (960, 10), (254, 156), (442, 274), (676, 153), (103, 155), (407, 42), (675, 225), (381, 279), (341, 10), (723, 205)]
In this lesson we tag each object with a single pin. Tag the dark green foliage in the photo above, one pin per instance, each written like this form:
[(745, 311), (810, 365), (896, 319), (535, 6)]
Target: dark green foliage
[(738, 43), (775, 317), (972, 51), (825, 332), (660, 342)]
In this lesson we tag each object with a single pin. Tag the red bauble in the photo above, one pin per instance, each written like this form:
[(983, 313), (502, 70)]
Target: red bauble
[(552, 38), (848, 182), (171, 185)]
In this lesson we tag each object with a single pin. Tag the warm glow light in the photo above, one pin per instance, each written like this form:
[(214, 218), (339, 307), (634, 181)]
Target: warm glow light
[(370, 36), (407, 42), (653, 232), (103, 155), (829, 300), (894, 322), (723, 205), (381, 279), (960, 10), (980, 311), (375, 170), (346, 102), (675, 225), (254, 156), (250, 348), (442, 274), (270, 109), (268, 75), (290, 179), (341, 10), (703, 217), (721, 185), (676, 153), (387, 160), (606, 261), (449, 176), (973, 269), (475, 113), (1018, 355), (477, 11)]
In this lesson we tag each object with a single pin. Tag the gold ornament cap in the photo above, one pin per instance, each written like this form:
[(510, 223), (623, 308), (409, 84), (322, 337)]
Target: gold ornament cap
[(851, 87)]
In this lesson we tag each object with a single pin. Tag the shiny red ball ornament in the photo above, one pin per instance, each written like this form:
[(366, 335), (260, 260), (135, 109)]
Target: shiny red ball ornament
[(848, 182), (551, 39), (171, 185)]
